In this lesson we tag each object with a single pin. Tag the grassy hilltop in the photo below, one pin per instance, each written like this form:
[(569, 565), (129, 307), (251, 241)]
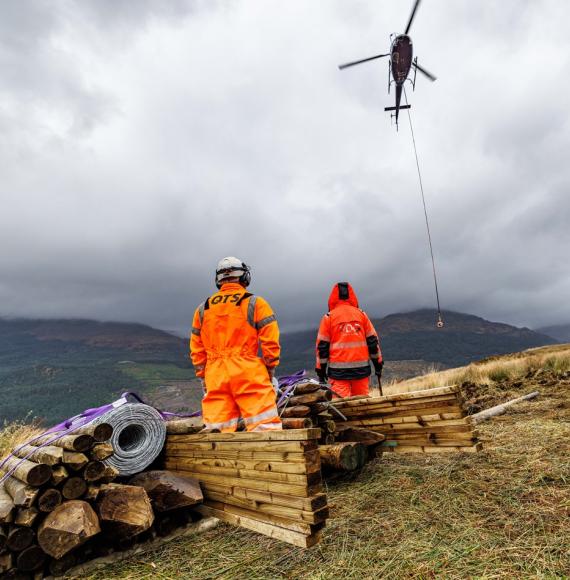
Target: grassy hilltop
[(503, 513)]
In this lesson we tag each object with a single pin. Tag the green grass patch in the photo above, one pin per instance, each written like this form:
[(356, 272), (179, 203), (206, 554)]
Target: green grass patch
[(153, 374)]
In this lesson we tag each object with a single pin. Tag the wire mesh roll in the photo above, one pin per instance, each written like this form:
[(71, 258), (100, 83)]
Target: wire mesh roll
[(138, 436)]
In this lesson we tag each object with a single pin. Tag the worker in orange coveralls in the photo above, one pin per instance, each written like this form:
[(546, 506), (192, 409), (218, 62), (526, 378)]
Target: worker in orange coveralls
[(346, 343), (227, 331)]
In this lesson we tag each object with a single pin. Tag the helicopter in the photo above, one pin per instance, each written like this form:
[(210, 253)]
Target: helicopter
[(401, 61)]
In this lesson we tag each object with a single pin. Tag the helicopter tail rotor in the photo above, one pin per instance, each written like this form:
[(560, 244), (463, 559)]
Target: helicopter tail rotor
[(346, 65), (412, 16)]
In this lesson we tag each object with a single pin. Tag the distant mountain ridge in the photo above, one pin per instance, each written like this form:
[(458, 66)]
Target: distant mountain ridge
[(414, 336), (560, 332), (128, 336)]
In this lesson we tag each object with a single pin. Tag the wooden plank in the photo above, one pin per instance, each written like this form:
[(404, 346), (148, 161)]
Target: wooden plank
[(294, 538), (295, 525), (401, 396), (263, 466), (180, 450), (311, 517), (279, 446), (187, 425), (294, 478), (396, 406), (405, 421), (432, 436), (399, 405), (427, 409), (312, 503), (268, 486), (427, 449), (417, 428), (254, 436), (435, 443)]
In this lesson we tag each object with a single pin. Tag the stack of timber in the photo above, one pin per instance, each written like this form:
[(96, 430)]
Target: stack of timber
[(341, 447), (268, 482), (428, 421), (309, 406), (60, 506)]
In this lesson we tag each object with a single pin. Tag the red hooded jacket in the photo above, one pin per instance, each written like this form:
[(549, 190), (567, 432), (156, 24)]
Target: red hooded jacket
[(347, 340)]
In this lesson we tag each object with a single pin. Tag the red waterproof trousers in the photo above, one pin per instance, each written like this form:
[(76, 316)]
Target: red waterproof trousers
[(350, 388)]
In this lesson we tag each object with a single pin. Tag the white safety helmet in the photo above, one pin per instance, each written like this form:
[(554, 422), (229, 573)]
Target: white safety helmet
[(232, 267)]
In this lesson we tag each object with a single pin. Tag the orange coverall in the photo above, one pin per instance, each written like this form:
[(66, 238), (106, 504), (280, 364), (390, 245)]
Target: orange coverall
[(227, 331), (346, 343)]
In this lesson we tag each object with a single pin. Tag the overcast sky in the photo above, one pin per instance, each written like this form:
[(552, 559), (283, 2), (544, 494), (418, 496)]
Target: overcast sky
[(141, 141)]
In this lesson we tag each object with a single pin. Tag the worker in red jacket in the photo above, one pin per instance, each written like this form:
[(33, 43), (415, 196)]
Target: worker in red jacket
[(346, 344)]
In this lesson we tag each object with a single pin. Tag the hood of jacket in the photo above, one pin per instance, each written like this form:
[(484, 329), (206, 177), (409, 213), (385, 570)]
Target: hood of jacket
[(342, 293)]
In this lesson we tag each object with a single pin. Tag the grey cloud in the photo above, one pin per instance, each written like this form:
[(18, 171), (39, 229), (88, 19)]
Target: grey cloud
[(142, 141)]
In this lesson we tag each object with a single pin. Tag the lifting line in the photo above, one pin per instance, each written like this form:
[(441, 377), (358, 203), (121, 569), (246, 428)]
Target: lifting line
[(440, 322)]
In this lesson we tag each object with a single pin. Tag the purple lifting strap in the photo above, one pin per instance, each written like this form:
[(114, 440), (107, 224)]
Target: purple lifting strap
[(287, 385), (74, 423)]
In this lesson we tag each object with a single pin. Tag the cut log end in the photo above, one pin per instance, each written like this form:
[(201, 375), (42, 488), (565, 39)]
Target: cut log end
[(102, 432), (30, 559), (168, 491), (83, 443), (74, 488), (124, 510), (343, 456), (68, 526), (49, 500), (297, 423), (19, 538), (94, 471)]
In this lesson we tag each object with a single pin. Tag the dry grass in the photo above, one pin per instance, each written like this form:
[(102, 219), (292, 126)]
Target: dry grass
[(15, 434), (491, 370), (504, 513)]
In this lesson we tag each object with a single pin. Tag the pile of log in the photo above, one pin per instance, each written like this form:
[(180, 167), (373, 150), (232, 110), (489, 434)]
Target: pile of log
[(268, 482), (428, 421), (61, 506), (308, 406)]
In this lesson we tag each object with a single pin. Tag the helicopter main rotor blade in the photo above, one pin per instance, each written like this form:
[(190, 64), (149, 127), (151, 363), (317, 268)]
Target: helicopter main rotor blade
[(412, 16), (425, 72), (342, 66)]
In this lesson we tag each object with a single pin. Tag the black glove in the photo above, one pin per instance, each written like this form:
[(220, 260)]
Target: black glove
[(322, 373), (378, 366)]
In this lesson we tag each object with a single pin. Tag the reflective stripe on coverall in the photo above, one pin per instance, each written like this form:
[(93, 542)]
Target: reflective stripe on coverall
[(346, 343), (227, 331)]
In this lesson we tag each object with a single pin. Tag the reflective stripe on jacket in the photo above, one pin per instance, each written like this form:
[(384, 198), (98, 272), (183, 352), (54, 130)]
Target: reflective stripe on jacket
[(233, 322), (347, 340)]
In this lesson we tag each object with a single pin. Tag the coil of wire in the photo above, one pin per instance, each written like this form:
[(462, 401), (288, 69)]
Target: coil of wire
[(138, 436)]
